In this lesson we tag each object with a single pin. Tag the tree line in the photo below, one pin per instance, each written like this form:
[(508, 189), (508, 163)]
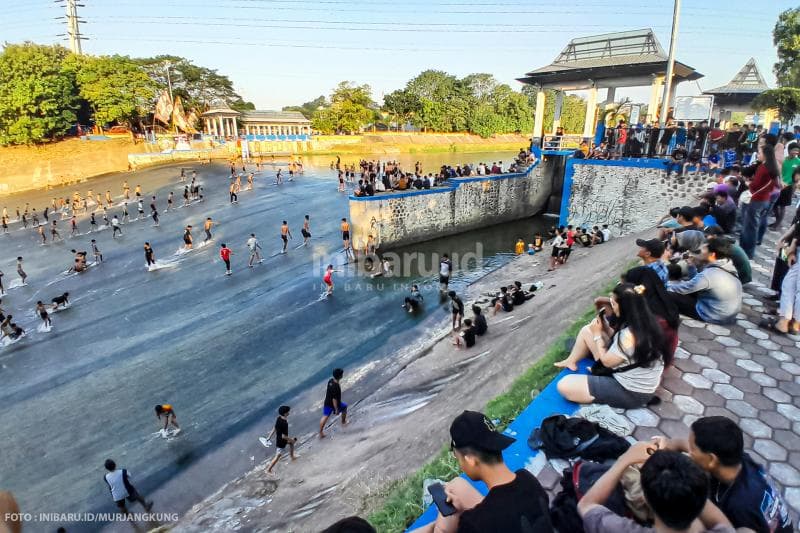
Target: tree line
[(46, 90), (436, 101)]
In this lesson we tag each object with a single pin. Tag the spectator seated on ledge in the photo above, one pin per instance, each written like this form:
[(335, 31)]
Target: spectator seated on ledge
[(714, 294), (739, 485), (628, 348), (465, 338), (675, 489), (676, 160), (479, 321), (516, 502), (503, 301)]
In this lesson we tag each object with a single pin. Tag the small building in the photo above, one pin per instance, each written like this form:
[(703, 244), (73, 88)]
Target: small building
[(738, 94), (257, 125), (623, 59)]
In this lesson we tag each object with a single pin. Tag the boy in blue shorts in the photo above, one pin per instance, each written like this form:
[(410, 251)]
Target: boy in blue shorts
[(333, 404)]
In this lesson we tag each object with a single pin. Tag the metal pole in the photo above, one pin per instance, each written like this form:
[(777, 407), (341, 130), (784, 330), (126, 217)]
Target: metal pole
[(670, 63)]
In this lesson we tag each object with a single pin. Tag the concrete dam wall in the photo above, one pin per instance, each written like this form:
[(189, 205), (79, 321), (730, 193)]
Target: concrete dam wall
[(401, 218)]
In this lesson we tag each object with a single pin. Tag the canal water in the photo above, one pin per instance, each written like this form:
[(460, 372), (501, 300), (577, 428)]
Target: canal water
[(225, 351)]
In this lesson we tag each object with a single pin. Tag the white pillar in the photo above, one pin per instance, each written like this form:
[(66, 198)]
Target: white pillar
[(538, 116), (591, 108), (235, 128), (557, 111), (221, 127), (652, 105)]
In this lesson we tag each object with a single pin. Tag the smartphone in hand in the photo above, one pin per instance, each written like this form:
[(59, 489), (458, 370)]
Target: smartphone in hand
[(440, 499)]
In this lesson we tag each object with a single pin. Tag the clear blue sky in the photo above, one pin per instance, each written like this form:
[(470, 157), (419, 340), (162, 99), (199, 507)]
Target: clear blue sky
[(285, 52)]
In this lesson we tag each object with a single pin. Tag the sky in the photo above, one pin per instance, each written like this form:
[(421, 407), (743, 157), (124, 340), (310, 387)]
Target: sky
[(286, 52)]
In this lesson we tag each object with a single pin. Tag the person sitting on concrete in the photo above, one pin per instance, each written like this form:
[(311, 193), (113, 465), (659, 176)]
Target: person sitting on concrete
[(693, 160), (597, 235), (503, 301), (583, 237), (676, 160), (418, 183), (689, 236), (519, 295), (675, 489), (650, 252), (668, 223), (629, 355), (516, 502), (479, 321), (739, 259), (724, 211), (714, 294), (739, 485), (465, 338)]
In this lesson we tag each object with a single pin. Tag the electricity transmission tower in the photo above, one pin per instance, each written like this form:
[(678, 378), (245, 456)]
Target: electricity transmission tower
[(73, 25)]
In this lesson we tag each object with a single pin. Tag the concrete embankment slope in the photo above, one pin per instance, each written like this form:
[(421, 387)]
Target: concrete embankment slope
[(396, 429), (75, 161)]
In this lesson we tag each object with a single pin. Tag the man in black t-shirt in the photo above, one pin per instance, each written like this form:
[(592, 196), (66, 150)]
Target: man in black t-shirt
[(516, 502), (333, 404), (676, 160), (282, 438), (739, 486), (457, 309)]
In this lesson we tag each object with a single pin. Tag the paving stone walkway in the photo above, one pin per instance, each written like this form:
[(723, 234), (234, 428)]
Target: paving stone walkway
[(740, 371)]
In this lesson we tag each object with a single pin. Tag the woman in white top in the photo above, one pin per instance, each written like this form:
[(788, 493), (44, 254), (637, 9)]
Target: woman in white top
[(629, 347)]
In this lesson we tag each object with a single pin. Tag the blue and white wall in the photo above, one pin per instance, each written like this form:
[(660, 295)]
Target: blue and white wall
[(402, 218), (628, 195)]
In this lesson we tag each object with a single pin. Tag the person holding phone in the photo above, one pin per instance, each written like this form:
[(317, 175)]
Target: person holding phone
[(516, 502)]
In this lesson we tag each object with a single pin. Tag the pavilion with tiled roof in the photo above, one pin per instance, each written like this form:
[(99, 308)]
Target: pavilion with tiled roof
[(623, 59), (738, 94)]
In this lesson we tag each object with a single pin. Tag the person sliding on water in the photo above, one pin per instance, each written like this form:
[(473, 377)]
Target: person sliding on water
[(225, 255), (207, 228), (149, 255), (98, 257), (414, 300), (42, 312), (187, 238), (168, 413), (255, 250), (328, 279), (62, 300), (285, 236), (23, 276)]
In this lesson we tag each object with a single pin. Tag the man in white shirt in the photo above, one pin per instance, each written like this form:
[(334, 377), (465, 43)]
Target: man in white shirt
[(606, 233), (255, 247), (119, 483)]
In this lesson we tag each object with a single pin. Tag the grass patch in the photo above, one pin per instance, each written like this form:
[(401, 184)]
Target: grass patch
[(403, 501)]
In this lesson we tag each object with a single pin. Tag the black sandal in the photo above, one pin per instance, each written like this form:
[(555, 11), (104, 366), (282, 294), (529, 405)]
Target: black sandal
[(770, 325)]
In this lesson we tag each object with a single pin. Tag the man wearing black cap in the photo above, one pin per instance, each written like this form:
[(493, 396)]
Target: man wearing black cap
[(516, 502), (650, 252)]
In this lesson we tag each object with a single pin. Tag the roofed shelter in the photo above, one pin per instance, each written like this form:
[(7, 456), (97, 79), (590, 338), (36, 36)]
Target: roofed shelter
[(623, 59), (738, 94), (257, 125)]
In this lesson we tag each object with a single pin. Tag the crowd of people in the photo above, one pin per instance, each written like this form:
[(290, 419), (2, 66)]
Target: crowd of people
[(373, 177), (694, 266)]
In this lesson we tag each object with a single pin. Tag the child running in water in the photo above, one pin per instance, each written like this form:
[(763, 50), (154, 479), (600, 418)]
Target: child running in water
[(20, 271), (255, 250), (225, 255), (328, 280)]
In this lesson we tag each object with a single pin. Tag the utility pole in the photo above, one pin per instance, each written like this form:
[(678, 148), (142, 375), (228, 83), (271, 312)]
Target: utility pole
[(676, 13), (73, 25)]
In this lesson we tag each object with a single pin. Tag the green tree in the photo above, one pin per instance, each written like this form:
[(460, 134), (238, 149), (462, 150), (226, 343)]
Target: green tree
[(441, 104), (308, 108), (786, 36), (785, 99), (402, 105), (199, 87), (116, 88), (37, 94), (351, 109)]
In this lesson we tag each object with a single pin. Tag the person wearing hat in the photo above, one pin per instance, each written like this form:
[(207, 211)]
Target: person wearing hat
[(650, 252), (516, 502)]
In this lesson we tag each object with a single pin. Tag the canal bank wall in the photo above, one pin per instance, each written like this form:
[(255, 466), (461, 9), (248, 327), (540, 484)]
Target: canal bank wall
[(628, 195), (407, 217)]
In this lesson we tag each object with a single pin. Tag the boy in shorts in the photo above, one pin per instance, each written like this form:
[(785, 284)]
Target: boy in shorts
[(333, 404), (282, 438)]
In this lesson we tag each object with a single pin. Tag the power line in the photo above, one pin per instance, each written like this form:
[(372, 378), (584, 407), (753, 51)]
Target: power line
[(73, 25)]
